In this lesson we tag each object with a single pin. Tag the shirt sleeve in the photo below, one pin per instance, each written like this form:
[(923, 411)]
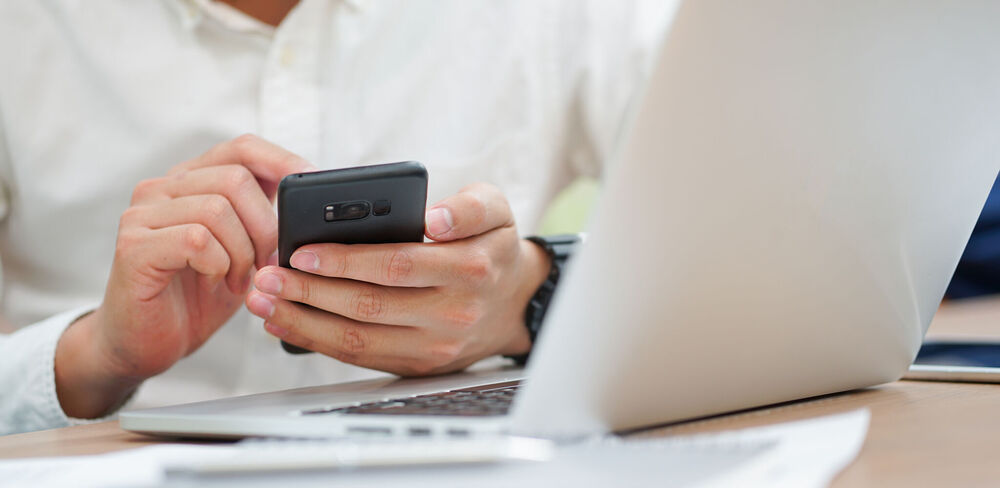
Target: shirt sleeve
[(618, 46), (28, 398)]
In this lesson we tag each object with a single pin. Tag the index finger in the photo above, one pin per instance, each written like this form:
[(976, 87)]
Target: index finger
[(268, 162), (403, 264)]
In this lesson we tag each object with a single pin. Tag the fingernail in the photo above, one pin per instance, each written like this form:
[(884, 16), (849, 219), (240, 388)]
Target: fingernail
[(273, 260), (305, 260), (260, 305), (275, 330), (269, 283), (439, 221)]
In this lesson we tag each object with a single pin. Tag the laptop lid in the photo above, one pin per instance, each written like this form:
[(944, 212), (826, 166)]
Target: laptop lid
[(797, 189)]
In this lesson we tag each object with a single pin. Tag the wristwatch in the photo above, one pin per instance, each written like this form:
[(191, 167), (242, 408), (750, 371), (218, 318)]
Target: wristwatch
[(559, 248)]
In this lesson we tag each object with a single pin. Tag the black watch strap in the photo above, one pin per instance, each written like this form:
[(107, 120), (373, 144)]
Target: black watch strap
[(559, 248)]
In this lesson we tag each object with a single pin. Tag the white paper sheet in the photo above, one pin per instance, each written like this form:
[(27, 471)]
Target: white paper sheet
[(807, 453), (131, 468)]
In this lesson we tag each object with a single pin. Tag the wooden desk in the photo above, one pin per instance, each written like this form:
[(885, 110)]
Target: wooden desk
[(922, 433)]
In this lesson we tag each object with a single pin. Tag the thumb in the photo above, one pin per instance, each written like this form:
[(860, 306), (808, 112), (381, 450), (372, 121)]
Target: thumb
[(475, 209)]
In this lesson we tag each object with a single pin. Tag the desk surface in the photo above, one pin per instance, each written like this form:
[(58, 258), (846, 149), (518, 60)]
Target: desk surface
[(922, 433)]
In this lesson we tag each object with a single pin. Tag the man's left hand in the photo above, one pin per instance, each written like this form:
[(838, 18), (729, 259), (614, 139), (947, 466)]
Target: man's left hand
[(411, 308)]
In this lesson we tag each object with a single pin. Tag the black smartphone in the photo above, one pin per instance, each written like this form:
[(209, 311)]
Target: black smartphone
[(362, 205)]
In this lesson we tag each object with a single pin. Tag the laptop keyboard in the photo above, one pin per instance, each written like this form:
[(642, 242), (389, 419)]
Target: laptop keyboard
[(478, 401)]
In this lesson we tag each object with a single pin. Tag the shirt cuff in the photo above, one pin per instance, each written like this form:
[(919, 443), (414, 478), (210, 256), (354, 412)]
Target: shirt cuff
[(29, 374)]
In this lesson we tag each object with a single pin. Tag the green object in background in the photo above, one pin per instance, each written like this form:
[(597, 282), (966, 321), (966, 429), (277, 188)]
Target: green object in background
[(570, 210)]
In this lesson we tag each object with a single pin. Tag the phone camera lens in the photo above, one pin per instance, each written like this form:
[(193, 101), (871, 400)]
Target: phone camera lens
[(346, 211)]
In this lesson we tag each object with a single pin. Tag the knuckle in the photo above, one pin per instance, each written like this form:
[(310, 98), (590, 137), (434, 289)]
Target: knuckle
[(354, 341), (130, 216), (215, 207), (144, 189), (477, 268), (464, 316), (197, 237), (334, 263), (476, 209), (495, 193), (368, 304), (304, 291), (239, 177), (289, 316), (398, 266), (245, 141)]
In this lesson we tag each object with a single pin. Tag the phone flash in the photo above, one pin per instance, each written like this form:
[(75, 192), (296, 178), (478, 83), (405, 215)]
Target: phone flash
[(381, 207)]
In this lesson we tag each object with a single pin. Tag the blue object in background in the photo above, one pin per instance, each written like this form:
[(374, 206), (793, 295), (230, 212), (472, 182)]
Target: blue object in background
[(978, 271)]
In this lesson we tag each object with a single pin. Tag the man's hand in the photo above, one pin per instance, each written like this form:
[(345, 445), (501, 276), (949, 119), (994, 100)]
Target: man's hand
[(187, 247), (411, 308)]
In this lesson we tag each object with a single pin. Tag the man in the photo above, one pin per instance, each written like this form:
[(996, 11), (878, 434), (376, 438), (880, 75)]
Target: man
[(124, 251)]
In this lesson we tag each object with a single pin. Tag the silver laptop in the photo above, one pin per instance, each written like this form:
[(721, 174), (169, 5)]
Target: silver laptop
[(797, 186)]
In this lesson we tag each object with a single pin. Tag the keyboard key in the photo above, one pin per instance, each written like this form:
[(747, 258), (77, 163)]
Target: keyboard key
[(486, 400)]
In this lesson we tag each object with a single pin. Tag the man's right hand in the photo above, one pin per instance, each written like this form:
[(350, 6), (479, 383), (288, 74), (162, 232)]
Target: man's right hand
[(187, 248)]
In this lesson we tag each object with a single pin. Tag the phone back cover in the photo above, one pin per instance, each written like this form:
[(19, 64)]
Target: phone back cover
[(303, 197)]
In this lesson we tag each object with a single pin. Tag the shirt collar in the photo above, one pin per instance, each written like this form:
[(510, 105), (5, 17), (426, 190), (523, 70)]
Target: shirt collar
[(192, 12)]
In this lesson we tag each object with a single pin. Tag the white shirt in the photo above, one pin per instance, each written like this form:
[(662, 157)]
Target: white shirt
[(98, 95)]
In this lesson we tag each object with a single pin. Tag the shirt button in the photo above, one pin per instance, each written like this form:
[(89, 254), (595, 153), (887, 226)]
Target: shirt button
[(191, 9), (287, 57)]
